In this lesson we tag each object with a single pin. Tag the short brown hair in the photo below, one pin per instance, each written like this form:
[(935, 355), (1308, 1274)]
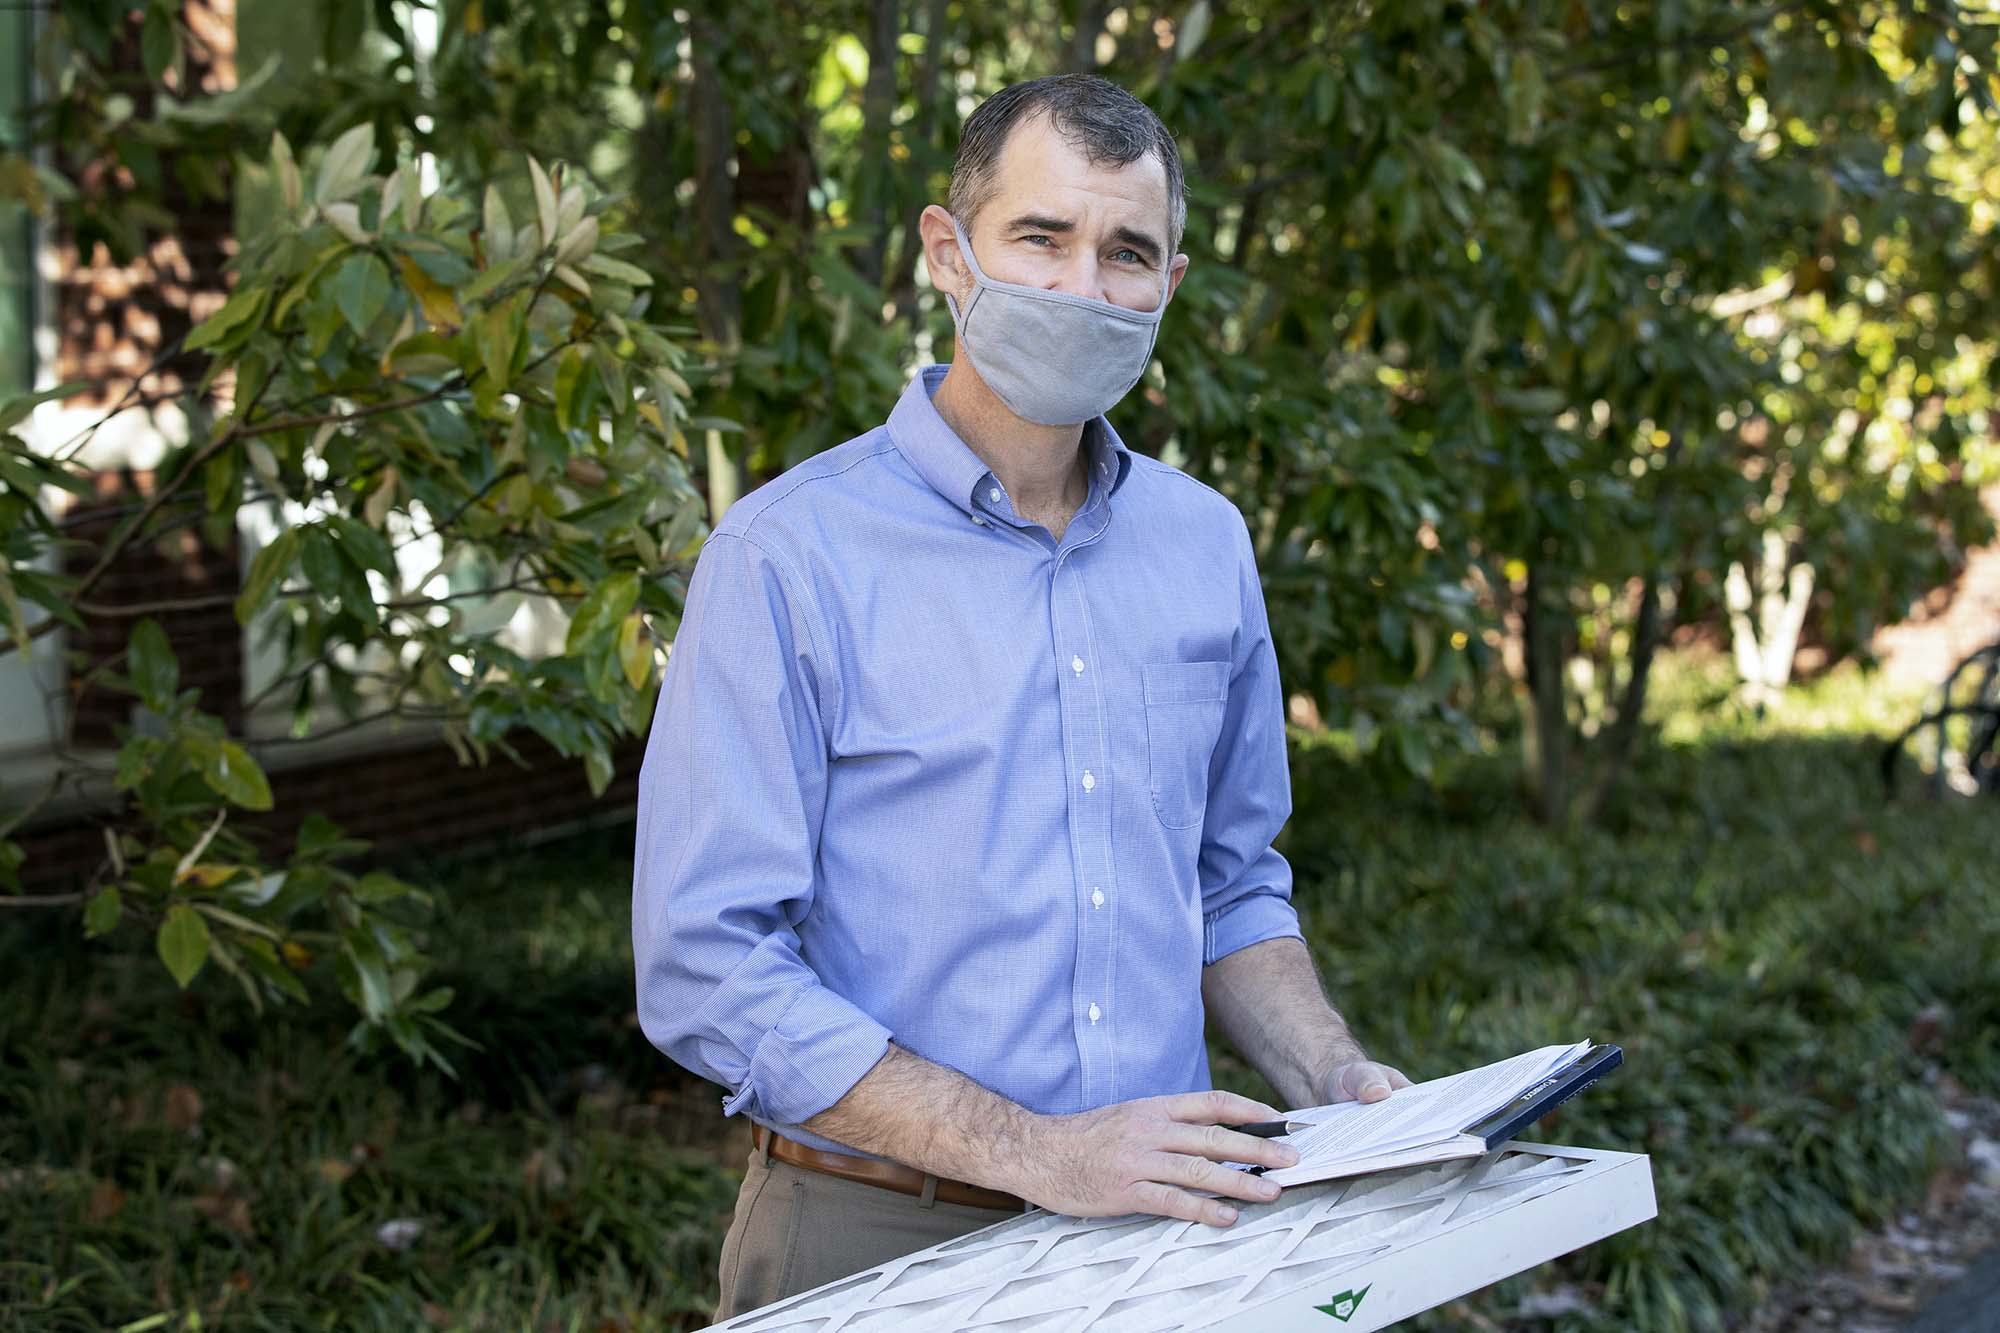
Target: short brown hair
[(1110, 126)]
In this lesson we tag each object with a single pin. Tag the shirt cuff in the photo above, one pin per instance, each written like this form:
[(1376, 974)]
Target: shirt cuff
[(1247, 921), (816, 1051)]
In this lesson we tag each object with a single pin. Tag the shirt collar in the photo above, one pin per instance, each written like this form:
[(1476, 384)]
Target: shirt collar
[(948, 464)]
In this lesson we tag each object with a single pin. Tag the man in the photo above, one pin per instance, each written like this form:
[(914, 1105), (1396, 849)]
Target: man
[(956, 814)]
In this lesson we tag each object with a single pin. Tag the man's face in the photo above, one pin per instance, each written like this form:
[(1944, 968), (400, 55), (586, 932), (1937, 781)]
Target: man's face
[(1054, 220)]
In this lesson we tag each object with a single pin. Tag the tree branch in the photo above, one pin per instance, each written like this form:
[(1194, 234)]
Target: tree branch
[(152, 506)]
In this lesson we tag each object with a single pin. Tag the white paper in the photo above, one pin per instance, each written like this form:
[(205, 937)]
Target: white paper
[(1422, 1122)]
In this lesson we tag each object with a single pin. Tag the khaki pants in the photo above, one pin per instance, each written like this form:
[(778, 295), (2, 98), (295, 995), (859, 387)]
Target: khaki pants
[(796, 1229)]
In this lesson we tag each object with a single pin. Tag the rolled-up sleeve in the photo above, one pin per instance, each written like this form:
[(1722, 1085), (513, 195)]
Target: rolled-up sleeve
[(731, 796), (1246, 886)]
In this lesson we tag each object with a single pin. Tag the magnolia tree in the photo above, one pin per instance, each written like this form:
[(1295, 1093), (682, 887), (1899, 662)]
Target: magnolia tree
[(405, 373)]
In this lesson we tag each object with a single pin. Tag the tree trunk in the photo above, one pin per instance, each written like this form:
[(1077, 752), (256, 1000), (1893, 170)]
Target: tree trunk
[(1547, 732), (1764, 626), (903, 277), (718, 292), (1083, 45), (878, 105), (1617, 745)]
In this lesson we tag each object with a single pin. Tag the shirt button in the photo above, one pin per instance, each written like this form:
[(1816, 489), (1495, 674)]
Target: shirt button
[(1097, 897), (980, 521), (1076, 665), (1089, 782), (994, 495), (1095, 1013)]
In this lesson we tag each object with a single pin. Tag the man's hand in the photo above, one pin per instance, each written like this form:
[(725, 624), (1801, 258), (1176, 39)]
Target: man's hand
[(1135, 1157), (1359, 1081)]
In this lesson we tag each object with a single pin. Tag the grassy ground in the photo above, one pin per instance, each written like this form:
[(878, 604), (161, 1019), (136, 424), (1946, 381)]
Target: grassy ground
[(1755, 927)]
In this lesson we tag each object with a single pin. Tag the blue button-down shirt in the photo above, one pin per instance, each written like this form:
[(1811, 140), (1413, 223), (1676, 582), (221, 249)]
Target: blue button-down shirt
[(920, 771)]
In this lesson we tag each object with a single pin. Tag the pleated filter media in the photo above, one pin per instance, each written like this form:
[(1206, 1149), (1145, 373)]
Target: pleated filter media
[(1350, 1254)]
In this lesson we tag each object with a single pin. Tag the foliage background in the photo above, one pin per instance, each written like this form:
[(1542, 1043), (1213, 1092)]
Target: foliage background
[(1511, 325)]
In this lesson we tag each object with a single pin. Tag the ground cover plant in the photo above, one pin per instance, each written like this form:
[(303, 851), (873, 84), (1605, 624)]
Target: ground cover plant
[(1794, 969)]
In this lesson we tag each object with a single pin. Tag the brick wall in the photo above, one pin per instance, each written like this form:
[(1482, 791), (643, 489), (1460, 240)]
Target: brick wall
[(403, 800), (112, 320), (197, 579)]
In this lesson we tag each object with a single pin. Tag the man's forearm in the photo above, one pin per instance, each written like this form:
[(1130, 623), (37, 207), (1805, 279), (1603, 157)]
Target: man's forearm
[(1267, 1000), (932, 1117)]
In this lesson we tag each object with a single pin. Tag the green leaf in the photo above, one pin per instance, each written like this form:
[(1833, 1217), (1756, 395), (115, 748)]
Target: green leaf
[(361, 288), (101, 913), (545, 200), (262, 959), (155, 670), (1414, 751), (183, 942), (320, 559), (597, 768), (345, 163), (159, 42), (50, 593), (432, 1000), (15, 410), (497, 329), (1523, 97), (495, 277), (496, 229), (367, 547), (21, 474), (1540, 401), (230, 107), (266, 572), (241, 308), (569, 370), (605, 266), (371, 972), (379, 886), (635, 650), (17, 621), (611, 374), (235, 775), (607, 604), (440, 262)]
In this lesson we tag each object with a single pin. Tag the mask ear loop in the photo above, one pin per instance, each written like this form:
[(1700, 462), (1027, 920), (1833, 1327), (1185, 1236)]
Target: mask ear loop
[(964, 243)]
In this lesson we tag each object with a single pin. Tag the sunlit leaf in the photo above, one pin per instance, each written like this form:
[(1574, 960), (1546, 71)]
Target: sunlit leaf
[(182, 942)]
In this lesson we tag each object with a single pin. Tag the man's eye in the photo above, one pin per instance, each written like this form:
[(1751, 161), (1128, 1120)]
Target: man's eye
[(1131, 256), (1037, 237)]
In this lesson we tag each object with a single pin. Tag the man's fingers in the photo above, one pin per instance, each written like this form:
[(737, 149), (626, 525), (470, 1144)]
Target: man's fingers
[(1367, 1081), (1203, 1173), (1164, 1200), (1217, 1107), (1226, 1145)]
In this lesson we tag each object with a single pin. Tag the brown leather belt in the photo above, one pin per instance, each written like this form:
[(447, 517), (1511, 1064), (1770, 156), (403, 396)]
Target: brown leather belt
[(889, 1175)]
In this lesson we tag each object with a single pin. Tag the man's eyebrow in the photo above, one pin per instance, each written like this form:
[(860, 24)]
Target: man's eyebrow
[(1138, 240), (1037, 223)]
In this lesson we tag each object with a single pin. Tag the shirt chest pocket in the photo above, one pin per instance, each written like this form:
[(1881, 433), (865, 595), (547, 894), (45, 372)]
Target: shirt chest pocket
[(1184, 704)]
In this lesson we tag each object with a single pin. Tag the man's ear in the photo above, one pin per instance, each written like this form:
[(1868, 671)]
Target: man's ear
[(941, 255), (1175, 272)]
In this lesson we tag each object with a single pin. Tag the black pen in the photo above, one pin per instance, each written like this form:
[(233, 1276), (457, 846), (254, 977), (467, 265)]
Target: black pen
[(1271, 1129)]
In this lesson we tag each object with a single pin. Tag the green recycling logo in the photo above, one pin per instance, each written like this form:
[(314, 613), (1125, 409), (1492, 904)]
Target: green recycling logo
[(1343, 1306)]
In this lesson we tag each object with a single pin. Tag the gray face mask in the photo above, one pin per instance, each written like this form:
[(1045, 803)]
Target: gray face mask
[(1052, 357)]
